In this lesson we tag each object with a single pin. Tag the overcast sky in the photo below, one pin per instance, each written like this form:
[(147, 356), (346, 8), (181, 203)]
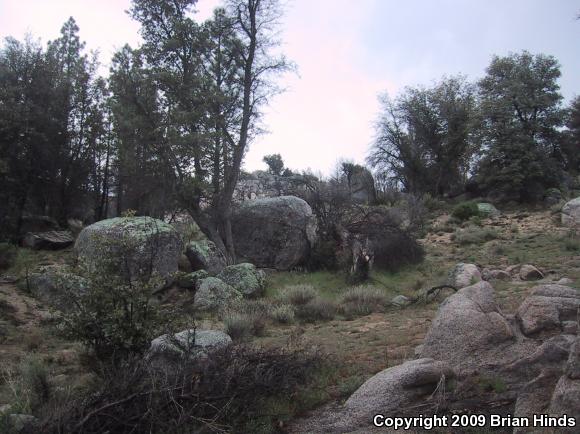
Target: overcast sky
[(347, 53)]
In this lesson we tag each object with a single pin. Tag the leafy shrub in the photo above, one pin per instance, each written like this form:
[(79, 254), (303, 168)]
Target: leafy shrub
[(225, 392), (465, 210), (8, 253), (284, 314), (474, 235), (113, 317), (363, 300), (572, 242), (317, 309), (296, 295)]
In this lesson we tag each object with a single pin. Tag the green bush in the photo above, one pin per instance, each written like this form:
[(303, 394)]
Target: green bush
[(113, 316), (8, 253), (363, 300), (465, 210)]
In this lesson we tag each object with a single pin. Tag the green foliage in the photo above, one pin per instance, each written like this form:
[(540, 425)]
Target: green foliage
[(521, 112), (424, 138), (113, 316), (275, 164), (465, 210), (8, 254)]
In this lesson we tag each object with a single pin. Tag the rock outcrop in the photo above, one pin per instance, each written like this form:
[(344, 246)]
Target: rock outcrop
[(274, 232), (571, 213), (468, 324), (547, 308), (56, 285), (130, 247)]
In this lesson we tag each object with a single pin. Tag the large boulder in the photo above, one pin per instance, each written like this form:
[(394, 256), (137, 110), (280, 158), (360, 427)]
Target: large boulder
[(245, 278), (468, 326), (274, 232), (571, 213), (168, 349), (547, 308), (463, 275), (213, 293), (52, 240), (204, 255), (130, 247), (391, 392), (529, 272), (56, 285)]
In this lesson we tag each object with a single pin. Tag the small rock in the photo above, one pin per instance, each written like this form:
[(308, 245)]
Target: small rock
[(488, 210), (400, 301), (529, 272), (565, 281), (53, 240), (570, 327), (167, 349), (190, 280)]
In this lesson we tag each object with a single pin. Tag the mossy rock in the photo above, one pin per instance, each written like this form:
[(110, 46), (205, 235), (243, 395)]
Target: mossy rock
[(204, 255), (190, 280), (488, 210), (244, 277), (213, 293), (133, 248)]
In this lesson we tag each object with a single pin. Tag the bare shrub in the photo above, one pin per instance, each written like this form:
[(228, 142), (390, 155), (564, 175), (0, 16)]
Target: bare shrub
[(296, 295), (317, 309), (245, 318), (284, 314), (224, 392), (363, 300)]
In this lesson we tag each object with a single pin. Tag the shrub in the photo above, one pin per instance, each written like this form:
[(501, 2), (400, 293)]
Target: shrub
[(297, 295), (465, 210), (8, 253), (245, 318), (284, 314), (317, 309), (572, 242), (474, 235), (113, 317), (224, 392), (363, 300)]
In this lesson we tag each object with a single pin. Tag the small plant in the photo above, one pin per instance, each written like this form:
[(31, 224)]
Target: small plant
[(572, 243), (317, 309), (474, 235), (514, 228), (245, 318), (284, 314), (363, 300), (465, 210), (297, 295)]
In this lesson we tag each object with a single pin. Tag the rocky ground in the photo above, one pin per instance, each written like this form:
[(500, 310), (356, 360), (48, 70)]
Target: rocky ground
[(362, 346)]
